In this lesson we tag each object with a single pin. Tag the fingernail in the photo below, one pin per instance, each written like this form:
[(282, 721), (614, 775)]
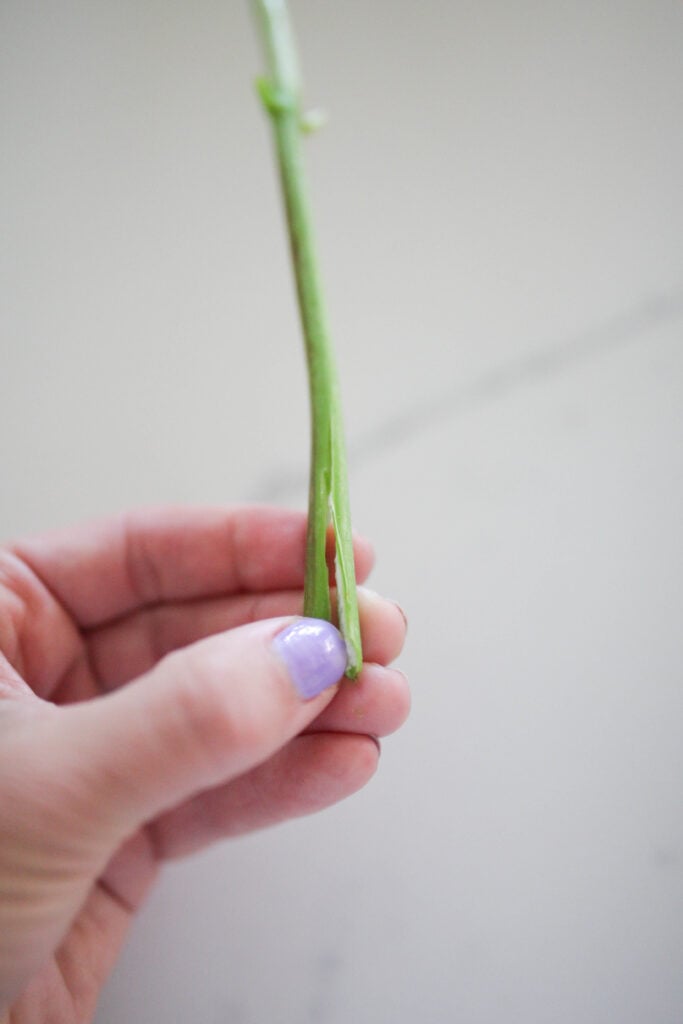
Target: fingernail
[(314, 653), (402, 614)]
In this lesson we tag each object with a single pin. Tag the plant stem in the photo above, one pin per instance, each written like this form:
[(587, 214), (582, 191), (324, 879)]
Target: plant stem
[(328, 499)]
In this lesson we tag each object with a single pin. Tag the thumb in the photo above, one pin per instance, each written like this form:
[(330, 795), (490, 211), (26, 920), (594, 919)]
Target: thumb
[(202, 716)]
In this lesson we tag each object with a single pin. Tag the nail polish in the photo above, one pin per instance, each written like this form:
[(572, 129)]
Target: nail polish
[(314, 653)]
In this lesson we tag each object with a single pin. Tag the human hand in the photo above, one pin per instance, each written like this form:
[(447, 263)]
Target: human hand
[(219, 731)]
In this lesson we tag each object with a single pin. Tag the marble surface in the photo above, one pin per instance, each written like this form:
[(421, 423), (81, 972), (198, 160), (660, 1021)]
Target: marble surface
[(500, 215)]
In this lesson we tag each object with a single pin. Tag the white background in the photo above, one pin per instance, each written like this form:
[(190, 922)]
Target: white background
[(498, 196)]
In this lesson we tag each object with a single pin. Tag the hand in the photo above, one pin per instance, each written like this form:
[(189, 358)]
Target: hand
[(223, 726)]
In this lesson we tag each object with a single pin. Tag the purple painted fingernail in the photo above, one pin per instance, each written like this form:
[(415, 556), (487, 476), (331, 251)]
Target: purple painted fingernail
[(314, 653)]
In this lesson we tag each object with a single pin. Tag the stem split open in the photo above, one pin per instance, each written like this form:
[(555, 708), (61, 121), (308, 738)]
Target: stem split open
[(280, 92)]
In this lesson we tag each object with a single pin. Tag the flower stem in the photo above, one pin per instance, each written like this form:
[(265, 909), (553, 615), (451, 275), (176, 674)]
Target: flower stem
[(328, 500)]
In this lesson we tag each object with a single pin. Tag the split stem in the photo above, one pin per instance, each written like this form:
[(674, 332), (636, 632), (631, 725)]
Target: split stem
[(280, 92)]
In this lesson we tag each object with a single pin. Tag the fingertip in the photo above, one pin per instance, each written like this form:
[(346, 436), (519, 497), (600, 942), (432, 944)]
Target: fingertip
[(399, 701), (377, 704), (383, 626), (367, 755), (364, 556), (351, 758)]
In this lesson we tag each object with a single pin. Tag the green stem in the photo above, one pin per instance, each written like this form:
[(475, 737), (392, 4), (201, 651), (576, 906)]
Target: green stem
[(328, 485)]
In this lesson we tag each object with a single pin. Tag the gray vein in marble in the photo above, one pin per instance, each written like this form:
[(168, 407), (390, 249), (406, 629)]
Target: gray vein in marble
[(619, 332)]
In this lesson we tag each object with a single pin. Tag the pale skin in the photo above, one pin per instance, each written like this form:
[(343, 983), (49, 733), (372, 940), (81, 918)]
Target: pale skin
[(101, 782)]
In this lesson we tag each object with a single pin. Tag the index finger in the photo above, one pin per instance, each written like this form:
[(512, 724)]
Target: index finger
[(106, 569)]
